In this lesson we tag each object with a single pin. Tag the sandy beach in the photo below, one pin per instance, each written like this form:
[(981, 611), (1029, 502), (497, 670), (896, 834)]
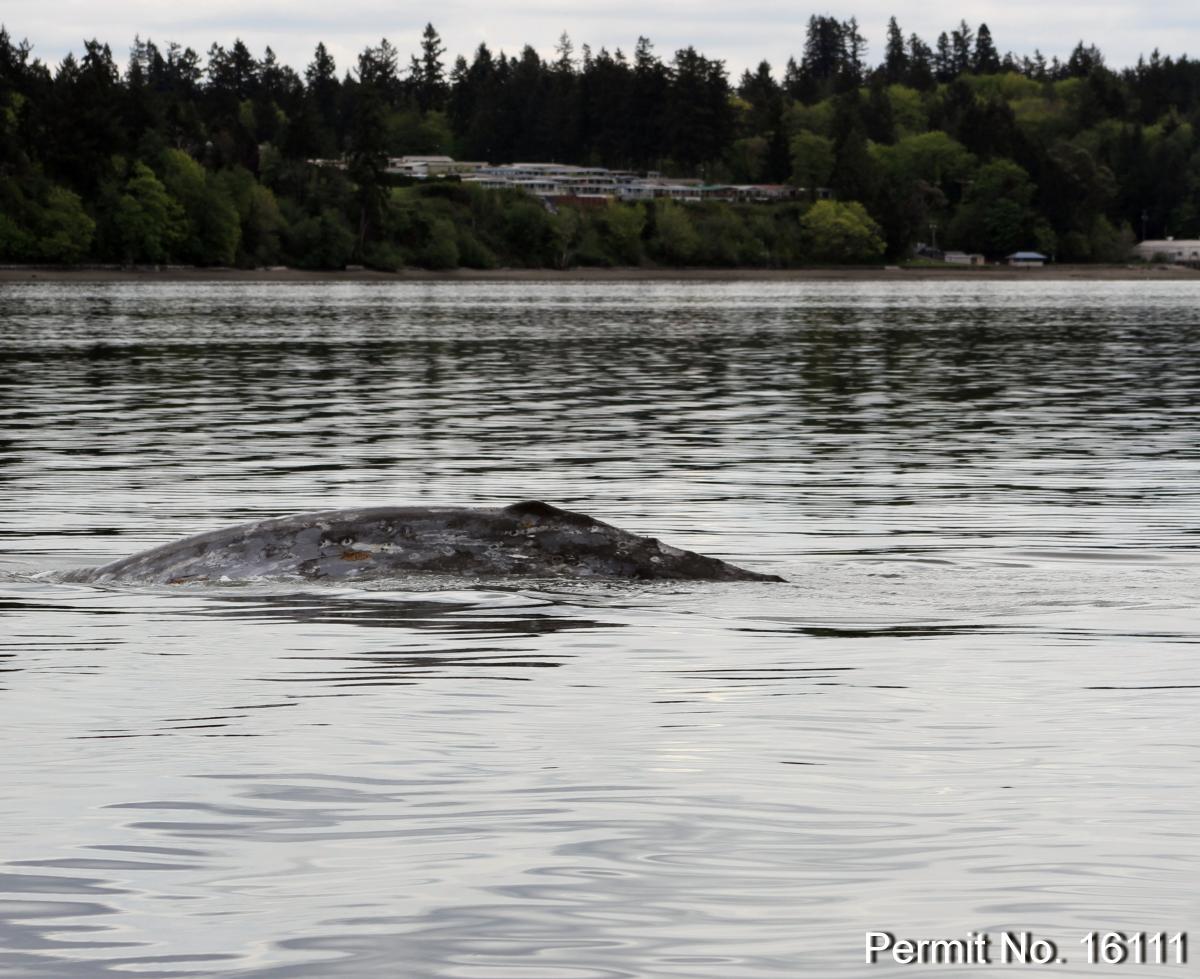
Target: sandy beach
[(869, 274)]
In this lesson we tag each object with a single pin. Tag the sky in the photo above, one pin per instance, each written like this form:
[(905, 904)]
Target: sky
[(742, 34)]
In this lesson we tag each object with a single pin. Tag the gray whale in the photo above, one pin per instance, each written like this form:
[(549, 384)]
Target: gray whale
[(529, 539)]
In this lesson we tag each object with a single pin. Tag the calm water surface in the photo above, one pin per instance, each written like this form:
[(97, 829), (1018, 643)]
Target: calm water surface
[(973, 707)]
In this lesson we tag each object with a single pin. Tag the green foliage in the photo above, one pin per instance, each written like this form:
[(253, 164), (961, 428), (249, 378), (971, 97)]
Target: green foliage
[(64, 230), (1109, 243), (856, 174), (256, 214), (384, 257), (528, 233), (996, 217), (213, 231), (206, 160), (724, 237), (568, 226), (146, 223), (841, 232), (675, 241), (1041, 120), (816, 118), (15, 242), (620, 228), (747, 159), (812, 161), (441, 250), (262, 228), (47, 224), (908, 110), (410, 132), (321, 241), (1008, 85), (934, 157), (473, 253)]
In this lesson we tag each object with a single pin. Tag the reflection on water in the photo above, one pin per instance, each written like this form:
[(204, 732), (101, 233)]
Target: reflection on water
[(971, 707)]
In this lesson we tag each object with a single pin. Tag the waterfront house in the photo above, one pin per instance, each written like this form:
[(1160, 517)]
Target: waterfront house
[(1181, 251), (963, 258), (1026, 260)]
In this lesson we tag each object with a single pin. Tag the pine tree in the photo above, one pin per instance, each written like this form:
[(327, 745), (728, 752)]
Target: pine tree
[(824, 52), (895, 62), (648, 105), (920, 64), (321, 80), (699, 119), (960, 42), (854, 54), (429, 72), (943, 60), (986, 60), (763, 94)]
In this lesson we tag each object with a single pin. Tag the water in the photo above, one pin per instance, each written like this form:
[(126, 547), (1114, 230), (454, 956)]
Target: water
[(973, 707)]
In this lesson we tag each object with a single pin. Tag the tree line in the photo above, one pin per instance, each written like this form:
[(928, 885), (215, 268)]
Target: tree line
[(183, 158)]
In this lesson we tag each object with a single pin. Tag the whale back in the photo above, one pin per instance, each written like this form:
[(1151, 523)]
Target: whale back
[(530, 539)]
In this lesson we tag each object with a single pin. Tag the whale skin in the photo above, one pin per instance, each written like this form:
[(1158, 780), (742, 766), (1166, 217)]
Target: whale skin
[(530, 539)]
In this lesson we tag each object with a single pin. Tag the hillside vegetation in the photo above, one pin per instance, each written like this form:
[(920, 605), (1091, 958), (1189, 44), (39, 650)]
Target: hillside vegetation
[(204, 160)]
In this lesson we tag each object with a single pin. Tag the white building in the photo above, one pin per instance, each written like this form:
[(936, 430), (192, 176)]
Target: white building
[(962, 258), (592, 184), (1181, 251), (431, 166)]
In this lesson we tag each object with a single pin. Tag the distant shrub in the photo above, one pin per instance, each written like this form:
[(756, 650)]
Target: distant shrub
[(441, 251)]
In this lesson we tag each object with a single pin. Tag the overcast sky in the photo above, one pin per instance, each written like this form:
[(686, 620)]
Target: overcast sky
[(740, 33)]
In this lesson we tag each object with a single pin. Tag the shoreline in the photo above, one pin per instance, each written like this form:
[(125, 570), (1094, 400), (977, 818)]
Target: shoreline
[(1052, 273)]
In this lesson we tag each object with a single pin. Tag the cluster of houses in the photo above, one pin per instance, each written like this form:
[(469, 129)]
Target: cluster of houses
[(1023, 260), (1167, 251), (553, 182), (559, 182), (588, 184)]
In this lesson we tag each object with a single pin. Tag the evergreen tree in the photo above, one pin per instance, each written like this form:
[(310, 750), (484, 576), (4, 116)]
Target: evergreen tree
[(321, 100), (428, 72), (699, 119), (854, 54), (877, 115), (896, 59), (648, 108), (961, 40), (179, 158), (1084, 61), (921, 70), (606, 92), (943, 59), (824, 58), (373, 96), (764, 96), (792, 80), (986, 60)]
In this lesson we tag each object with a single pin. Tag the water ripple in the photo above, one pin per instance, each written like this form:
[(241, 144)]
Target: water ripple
[(972, 706)]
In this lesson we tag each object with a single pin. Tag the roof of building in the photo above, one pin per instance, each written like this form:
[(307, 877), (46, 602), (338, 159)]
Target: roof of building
[(1028, 256)]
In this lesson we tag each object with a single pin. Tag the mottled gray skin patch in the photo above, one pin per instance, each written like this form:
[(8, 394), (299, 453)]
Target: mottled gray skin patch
[(526, 539)]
